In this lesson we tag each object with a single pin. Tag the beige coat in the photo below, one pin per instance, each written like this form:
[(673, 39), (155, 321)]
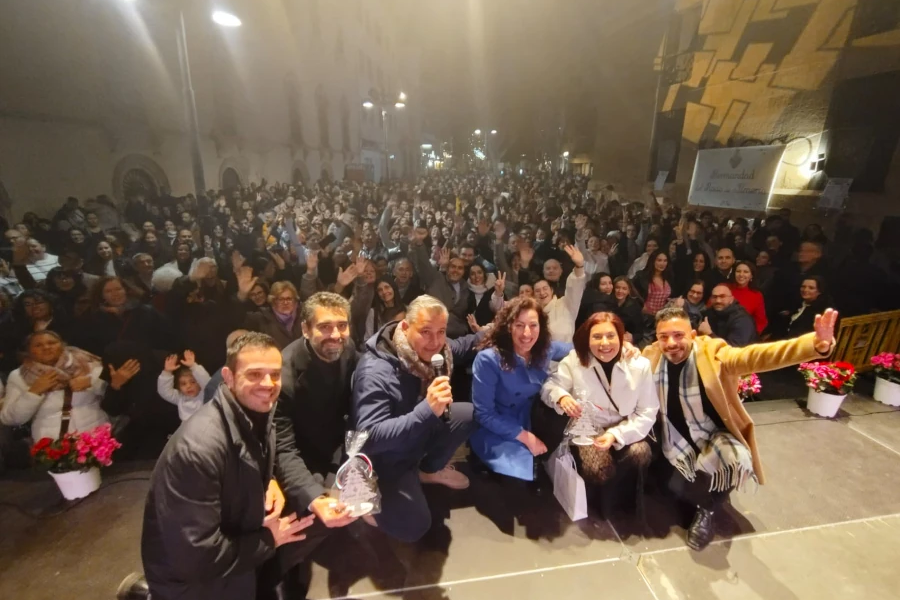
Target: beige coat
[(721, 368)]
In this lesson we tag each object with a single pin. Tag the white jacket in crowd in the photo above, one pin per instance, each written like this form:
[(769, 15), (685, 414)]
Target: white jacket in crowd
[(630, 415), (562, 312), (187, 405), (44, 411)]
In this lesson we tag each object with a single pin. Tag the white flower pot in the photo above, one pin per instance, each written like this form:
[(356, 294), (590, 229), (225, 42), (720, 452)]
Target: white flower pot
[(77, 484), (822, 404), (887, 392)]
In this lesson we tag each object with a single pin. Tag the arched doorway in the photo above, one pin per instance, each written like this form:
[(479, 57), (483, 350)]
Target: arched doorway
[(231, 180), (139, 182), (137, 174)]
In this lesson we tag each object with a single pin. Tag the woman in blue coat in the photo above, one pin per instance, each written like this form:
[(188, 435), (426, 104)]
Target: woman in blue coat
[(507, 377)]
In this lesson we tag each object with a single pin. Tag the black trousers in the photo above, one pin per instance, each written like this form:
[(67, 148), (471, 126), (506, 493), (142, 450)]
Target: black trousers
[(695, 492), (405, 514)]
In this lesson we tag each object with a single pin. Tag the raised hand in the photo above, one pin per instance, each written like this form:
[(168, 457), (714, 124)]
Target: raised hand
[(346, 276), (171, 363), (237, 261), (613, 250), (279, 262), (245, 281), (444, 260), (189, 359), (312, 262), (483, 227), (122, 375), (576, 255), (824, 328), (500, 284), (473, 324), (201, 271)]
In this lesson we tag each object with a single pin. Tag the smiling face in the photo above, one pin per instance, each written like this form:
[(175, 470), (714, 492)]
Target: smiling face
[(104, 251), (621, 291), (385, 292), (76, 236), (552, 270), (327, 332), (427, 335), (724, 259), (762, 259), (809, 291), (543, 293), (606, 284), (675, 338), (699, 262), (721, 297), (604, 342), (256, 378), (695, 294), (476, 275), (456, 270), (743, 276), (114, 293), (525, 332)]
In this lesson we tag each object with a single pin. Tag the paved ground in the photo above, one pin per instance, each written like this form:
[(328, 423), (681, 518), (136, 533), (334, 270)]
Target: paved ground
[(826, 526)]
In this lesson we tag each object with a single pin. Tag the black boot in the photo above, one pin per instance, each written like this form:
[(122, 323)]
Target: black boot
[(133, 587), (702, 530)]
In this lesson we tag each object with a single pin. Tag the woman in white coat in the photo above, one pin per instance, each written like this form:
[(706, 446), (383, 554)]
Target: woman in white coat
[(35, 392), (620, 390)]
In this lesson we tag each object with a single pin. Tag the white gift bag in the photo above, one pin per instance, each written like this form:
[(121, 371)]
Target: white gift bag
[(568, 486)]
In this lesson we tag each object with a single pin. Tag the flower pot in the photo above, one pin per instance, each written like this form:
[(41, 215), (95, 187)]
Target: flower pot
[(77, 484), (887, 392), (822, 404)]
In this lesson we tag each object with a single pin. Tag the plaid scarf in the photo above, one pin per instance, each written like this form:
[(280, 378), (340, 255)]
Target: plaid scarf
[(72, 363), (412, 363), (722, 456)]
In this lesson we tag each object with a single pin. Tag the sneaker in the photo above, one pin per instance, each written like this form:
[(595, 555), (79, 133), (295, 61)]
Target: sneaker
[(133, 587), (701, 531), (448, 476)]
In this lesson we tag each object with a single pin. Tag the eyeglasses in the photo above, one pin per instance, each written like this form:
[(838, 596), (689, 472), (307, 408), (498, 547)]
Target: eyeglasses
[(285, 300)]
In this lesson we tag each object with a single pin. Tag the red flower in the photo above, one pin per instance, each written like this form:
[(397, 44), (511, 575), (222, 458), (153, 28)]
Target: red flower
[(54, 454), (40, 445), (837, 383), (844, 365), (65, 446)]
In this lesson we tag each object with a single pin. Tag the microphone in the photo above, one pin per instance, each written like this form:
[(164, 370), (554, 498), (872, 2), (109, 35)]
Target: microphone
[(437, 363)]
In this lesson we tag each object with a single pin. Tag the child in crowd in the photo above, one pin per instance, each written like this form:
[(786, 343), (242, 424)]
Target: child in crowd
[(183, 385)]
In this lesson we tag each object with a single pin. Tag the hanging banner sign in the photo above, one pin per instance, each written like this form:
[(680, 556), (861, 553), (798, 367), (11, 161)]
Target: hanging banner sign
[(739, 178)]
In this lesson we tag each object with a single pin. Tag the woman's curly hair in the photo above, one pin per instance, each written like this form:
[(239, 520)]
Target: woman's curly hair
[(500, 336)]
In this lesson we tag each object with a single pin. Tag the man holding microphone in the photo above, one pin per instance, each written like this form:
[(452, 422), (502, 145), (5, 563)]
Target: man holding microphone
[(401, 401)]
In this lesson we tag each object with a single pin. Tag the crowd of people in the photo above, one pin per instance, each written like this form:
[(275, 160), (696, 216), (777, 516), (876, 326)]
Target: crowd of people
[(319, 309)]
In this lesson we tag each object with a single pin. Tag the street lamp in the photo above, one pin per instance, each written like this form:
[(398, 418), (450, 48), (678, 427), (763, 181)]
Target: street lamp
[(225, 19), (369, 104), (493, 132)]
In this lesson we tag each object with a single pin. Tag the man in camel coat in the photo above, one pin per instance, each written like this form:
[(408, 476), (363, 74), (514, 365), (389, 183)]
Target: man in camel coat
[(706, 435)]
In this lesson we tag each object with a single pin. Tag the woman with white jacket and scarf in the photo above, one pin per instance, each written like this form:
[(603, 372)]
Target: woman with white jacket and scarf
[(36, 391), (562, 312), (620, 390)]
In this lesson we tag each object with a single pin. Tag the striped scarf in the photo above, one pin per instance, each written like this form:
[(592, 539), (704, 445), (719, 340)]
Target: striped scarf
[(722, 456)]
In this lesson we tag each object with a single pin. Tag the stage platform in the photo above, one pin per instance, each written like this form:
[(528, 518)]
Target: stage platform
[(827, 525)]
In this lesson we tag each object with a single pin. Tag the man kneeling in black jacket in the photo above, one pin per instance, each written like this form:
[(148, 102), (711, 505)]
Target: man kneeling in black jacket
[(311, 416), (212, 521)]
